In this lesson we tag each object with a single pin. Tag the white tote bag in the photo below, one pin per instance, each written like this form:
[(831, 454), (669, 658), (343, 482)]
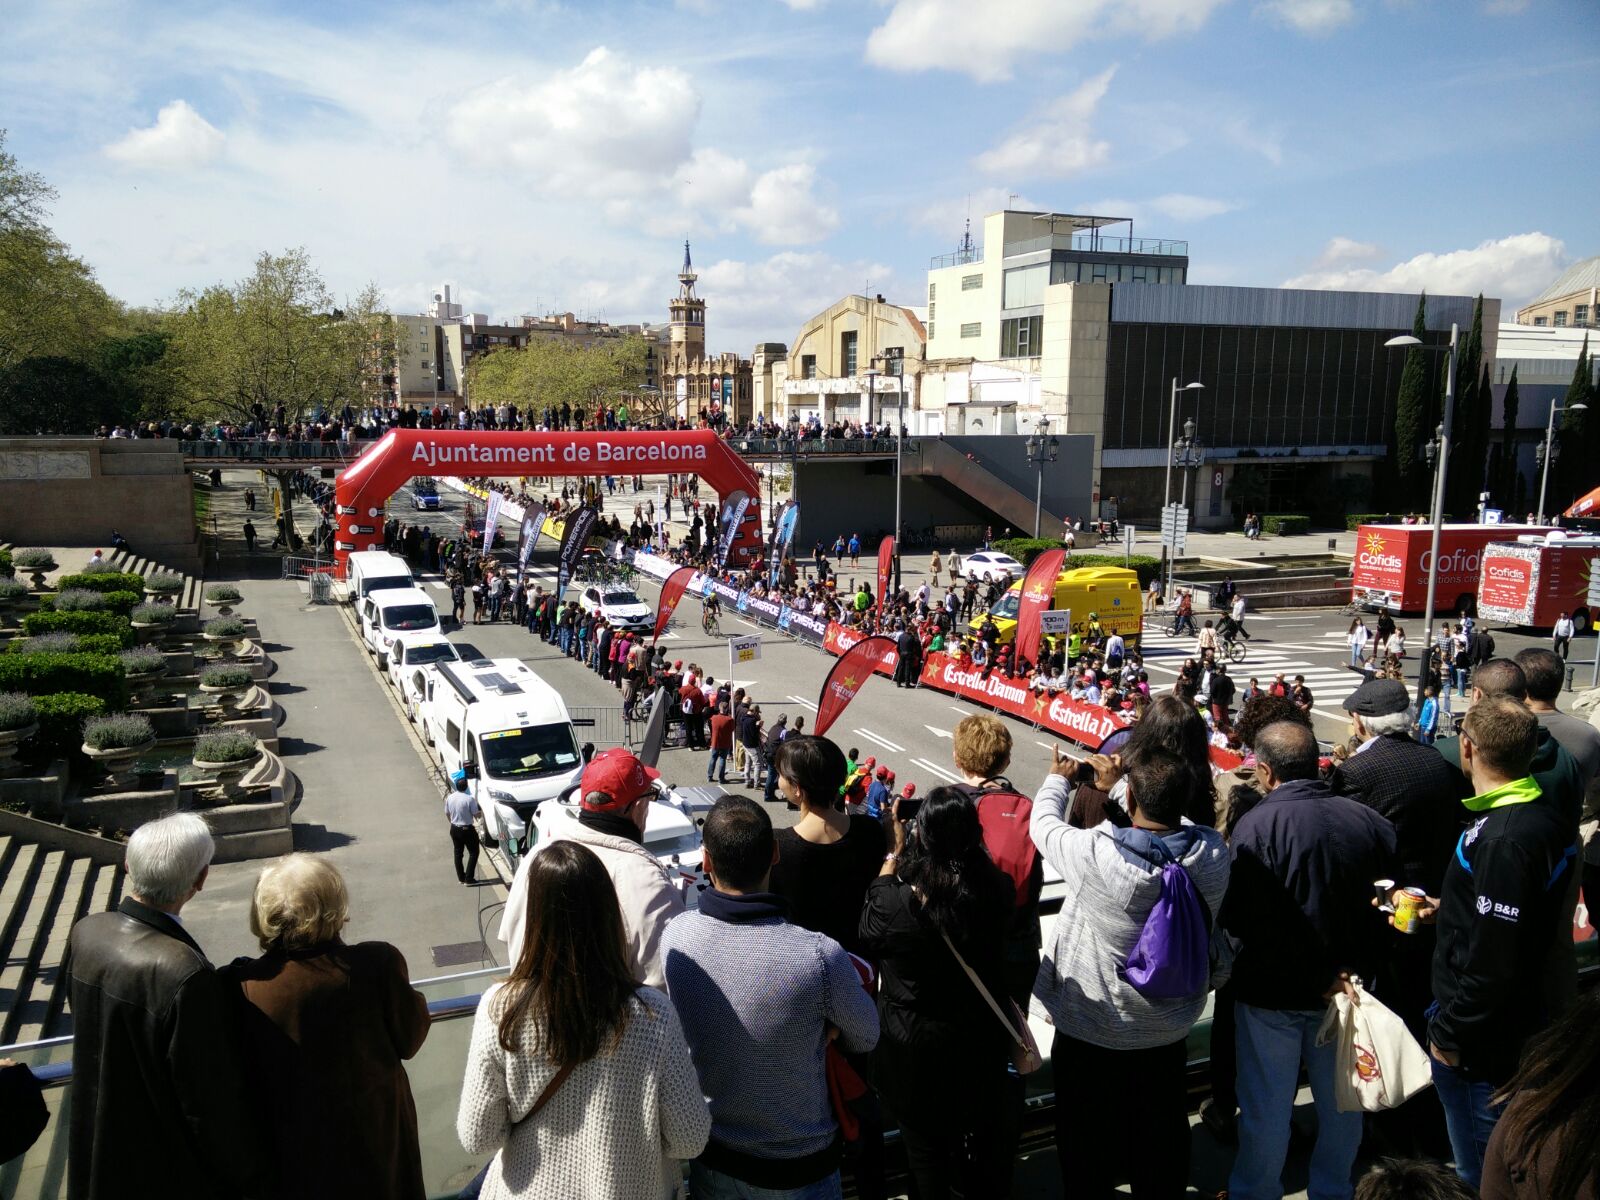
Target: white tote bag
[(1377, 1063)]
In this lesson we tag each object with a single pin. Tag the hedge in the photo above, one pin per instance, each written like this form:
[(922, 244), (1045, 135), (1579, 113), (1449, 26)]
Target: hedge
[(1285, 524), (123, 603), (103, 581), (6, 569), (1025, 550), (61, 719), (79, 622), (88, 643), (1355, 520), (41, 674)]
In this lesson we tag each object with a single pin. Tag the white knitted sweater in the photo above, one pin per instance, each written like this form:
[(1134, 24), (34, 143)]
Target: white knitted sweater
[(613, 1131)]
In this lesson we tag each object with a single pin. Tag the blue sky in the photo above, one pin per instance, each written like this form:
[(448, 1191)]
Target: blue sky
[(545, 156)]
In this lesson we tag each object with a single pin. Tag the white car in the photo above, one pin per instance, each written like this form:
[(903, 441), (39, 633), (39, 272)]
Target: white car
[(390, 612), (409, 654), (670, 833), (990, 565), (621, 608)]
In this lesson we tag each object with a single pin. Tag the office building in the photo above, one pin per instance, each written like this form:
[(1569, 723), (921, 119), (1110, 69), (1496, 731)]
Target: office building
[(1571, 301)]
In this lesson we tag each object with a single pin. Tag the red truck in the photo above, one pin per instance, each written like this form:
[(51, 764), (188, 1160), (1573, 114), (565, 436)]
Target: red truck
[(1393, 561), (1533, 580)]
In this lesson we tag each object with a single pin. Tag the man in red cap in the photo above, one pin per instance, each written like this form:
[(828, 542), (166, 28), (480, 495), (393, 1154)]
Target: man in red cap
[(617, 790)]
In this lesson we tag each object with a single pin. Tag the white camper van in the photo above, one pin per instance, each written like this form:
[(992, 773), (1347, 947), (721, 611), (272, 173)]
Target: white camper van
[(373, 570), (510, 732)]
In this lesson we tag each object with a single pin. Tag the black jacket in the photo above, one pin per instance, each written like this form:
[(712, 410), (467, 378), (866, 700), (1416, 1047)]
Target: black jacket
[(1416, 791), (1496, 931), (158, 1095), (1299, 899)]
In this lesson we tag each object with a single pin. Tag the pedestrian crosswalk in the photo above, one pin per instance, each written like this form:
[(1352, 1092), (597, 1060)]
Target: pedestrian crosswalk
[(1322, 665)]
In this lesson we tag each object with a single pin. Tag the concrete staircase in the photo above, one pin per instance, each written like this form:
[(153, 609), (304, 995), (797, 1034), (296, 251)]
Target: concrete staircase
[(938, 458), (43, 892), (188, 598)]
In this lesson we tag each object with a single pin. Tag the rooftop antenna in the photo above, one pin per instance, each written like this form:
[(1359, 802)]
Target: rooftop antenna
[(965, 246)]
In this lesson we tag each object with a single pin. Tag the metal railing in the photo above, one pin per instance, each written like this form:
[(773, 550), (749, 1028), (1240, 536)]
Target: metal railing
[(1087, 244), (261, 450), (603, 725)]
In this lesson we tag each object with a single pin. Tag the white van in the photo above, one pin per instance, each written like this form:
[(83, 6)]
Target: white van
[(510, 732), (374, 570), (388, 612), (409, 655)]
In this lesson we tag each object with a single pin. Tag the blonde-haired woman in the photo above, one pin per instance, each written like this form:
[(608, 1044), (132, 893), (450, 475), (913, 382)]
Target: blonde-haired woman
[(326, 1029)]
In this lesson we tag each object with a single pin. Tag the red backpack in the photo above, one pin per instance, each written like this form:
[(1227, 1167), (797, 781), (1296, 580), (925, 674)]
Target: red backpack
[(1005, 815)]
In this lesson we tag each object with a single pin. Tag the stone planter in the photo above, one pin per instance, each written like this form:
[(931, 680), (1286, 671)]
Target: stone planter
[(226, 698), (223, 648), (149, 633), (224, 777), (36, 576), (9, 739), (156, 597), (118, 762), (224, 607), (142, 684)]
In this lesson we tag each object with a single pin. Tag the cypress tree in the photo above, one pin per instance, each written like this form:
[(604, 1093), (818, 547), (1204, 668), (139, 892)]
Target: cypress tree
[(1577, 435), (1507, 488), (1410, 418), (1469, 426)]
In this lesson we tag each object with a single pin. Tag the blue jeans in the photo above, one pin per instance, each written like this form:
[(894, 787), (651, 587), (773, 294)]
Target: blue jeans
[(719, 758), (566, 639), (1355, 656), (1271, 1045), (1469, 1116), (706, 1184)]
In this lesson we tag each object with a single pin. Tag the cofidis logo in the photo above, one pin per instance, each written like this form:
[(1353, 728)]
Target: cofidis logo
[(1375, 554)]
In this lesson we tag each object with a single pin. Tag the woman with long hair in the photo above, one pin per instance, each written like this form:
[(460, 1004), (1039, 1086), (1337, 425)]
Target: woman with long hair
[(578, 1077), (941, 1058), (1546, 1145), (1174, 725), (1357, 637)]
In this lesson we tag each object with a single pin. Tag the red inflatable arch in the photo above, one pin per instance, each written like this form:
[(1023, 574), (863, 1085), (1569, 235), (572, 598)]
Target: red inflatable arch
[(364, 488)]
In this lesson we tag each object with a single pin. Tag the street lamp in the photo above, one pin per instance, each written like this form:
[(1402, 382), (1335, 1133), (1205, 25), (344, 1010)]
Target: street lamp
[(1441, 446), (1042, 448), (1172, 432), (1187, 453), (872, 387), (1547, 451)]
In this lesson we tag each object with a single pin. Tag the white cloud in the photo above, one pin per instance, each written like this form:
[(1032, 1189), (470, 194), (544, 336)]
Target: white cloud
[(1310, 16), (1058, 141), (948, 217), (986, 40), (601, 123), (783, 210), (1183, 207), (769, 299), (1510, 267), (180, 138), (1346, 250)]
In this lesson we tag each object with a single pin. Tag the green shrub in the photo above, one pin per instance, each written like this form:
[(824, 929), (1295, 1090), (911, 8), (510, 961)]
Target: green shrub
[(61, 718), (33, 558), (142, 662), (225, 746), (163, 581), (1025, 550), (6, 568), (16, 711), (225, 675), (223, 627), (12, 589), (104, 567), (1147, 566), (223, 593), (59, 642), (107, 579), (119, 731), (1285, 524), (123, 603), (41, 674), (77, 600), (79, 622), (154, 614)]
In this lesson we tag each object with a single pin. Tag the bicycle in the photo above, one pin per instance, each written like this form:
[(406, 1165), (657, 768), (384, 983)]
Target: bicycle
[(1233, 649), (708, 622)]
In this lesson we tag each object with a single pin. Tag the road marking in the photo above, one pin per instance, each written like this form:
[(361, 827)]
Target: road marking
[(939, 771), (882, 741), (963, 711), (807, 703), (937, 732)]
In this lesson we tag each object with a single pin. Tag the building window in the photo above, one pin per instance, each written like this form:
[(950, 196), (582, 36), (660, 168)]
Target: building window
[(1023, 287), (808, 366), (1561, 317), (972, 329), (930, 331), (971, 283), (931, 307), (847, 353), (1541, 321), (1580, 314), (1020, 337), (933, 290)]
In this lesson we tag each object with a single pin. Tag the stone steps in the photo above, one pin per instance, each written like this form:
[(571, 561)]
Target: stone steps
[(188, 598), (43, 893)]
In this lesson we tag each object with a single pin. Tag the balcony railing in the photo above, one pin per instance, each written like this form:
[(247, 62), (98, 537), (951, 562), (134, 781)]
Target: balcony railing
[(959, 259), (1083, 243)]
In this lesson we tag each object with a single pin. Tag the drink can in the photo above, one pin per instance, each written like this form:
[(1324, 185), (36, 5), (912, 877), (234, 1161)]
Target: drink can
[(1405, 909)]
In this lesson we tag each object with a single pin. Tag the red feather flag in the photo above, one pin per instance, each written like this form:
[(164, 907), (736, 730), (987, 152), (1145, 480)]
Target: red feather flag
[(1038, 593), (671, 593), (885, 573), (854, 668)]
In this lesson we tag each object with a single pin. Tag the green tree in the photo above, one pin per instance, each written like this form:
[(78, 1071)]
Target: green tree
[(551, 371), (1470, 422), (1411, 418), (1506, 490), (1574, 469), (48, 394)]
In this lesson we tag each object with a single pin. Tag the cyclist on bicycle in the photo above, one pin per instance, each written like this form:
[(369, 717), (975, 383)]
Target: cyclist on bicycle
[(712, 609)]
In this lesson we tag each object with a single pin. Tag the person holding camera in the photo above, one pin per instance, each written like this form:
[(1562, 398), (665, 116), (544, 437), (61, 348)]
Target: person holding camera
[(1111, 1025)]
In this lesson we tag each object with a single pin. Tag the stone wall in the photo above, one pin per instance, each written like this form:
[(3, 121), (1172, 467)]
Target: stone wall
[(74, 491)]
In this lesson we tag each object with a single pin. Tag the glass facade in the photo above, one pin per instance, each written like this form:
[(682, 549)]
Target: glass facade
[(847, 354), (1264, 386), (1020, 337)]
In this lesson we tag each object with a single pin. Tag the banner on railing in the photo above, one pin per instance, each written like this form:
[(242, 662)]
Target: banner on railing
[(1038, 593), (885, 572), (573, 539), (733, 510), (491, 519), (528, 537), (671, 593)]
